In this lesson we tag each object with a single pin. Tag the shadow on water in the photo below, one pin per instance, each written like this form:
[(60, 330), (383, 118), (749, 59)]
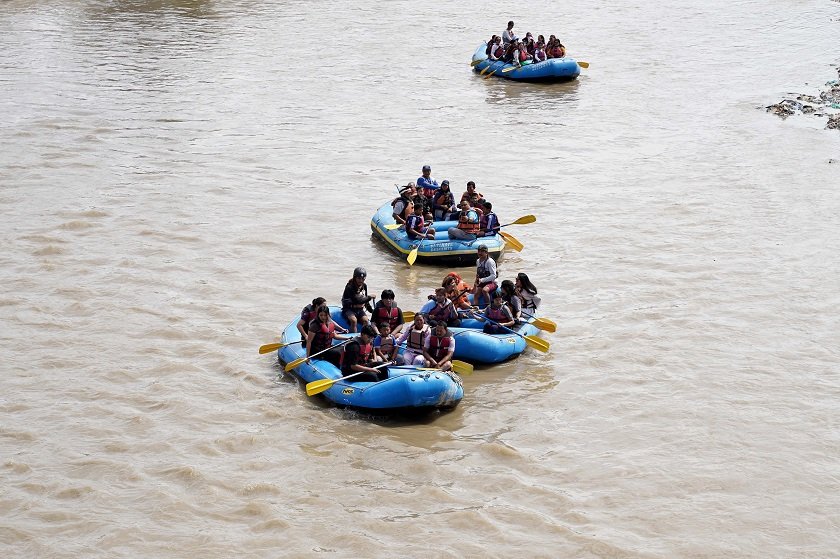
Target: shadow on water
[(503, 91)]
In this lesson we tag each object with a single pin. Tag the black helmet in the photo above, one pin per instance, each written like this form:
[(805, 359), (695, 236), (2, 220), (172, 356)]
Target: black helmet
[(359, 273)]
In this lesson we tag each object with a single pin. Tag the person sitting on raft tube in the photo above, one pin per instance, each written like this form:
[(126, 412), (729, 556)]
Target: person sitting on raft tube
[(403, 205), (485, 277), (414, 338), (355, 300), (359, 358), (386, 310), (456, 290), (469, 224), (385, 344), (512, 300), (471, 195), (426, 183), (443, 204), (495, 50), (307, 315), (497, 312), (415, 226), (527, 291), (489, 222), (443, 311), (439, 347), (320, 334)]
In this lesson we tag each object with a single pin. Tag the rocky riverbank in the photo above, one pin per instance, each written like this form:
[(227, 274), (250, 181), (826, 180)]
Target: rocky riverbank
[(821, 105)]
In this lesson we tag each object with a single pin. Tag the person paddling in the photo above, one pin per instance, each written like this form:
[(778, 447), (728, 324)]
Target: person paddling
[(359, 358), (320, 334), (307, 315), (403, 205), (497, 312), (443, 311), (415, 226)]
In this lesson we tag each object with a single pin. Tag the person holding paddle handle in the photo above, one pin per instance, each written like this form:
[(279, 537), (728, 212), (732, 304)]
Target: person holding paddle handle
[(358, 359), (499, 315), (320, 335), (439, 347)]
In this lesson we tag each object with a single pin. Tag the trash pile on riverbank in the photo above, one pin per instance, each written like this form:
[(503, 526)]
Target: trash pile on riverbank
[(811, 104)]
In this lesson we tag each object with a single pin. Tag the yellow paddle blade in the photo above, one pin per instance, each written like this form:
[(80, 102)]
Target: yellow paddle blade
[(318, 386), (294, 364), (490, 74), (392, 226), (512, 241), (537, 343), (408, 316), (583, 64), (475, 63), (525, 219), (462, 367), (412, 256), (545, 324), (510, 69), (268, 348)]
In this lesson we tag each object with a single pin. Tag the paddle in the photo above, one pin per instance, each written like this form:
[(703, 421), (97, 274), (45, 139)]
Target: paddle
[(318, 386), (511, 69), (408, 316), (512, 241), (583, 64), (392, 226), (412, 256), (522, 220), (493, 72), (268, 348), (297, 362), (532, 341), (486, 68), (542, 323), (475, 63)]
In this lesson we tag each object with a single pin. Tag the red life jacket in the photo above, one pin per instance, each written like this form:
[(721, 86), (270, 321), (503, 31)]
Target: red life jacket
[(497, 315), (441, 312), (323, 336), (382, 314), (365, 354), (439, 346)]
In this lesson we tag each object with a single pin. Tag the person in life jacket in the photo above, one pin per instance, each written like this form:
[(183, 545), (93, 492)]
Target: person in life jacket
[(355, 300), (499, 314), (443, 311), (469, 224), (415, 226), (473, 196), (385, 344), (307, 315), (439, 347), (485, 277), (456, 290), (403, 205), (443, 204), (494, 49), (320, 334), (512, 300), (489, 222), (414, 338), (425, 182), (359, 358), (526, 291), (386, 310)]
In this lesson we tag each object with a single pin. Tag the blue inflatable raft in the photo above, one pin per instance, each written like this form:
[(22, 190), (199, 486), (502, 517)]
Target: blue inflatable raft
[(474, 346), (440, 250), (407, 389), (551, 70)]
